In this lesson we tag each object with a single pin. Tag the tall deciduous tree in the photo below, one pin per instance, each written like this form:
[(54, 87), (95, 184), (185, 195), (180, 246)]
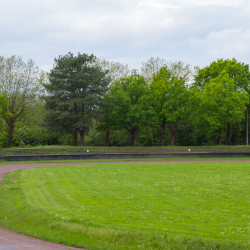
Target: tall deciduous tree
[(132, 105), (105, 120), (116, 70), (222, 105), (75, 93), (172, 101), (177, 68), (21, 82), (151, 67), (237, 71)]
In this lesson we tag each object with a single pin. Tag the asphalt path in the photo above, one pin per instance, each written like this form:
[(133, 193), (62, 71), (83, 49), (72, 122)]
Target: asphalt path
[(13, 241)]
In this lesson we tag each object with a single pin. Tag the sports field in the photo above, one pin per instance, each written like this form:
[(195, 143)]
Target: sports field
[(132, 206)]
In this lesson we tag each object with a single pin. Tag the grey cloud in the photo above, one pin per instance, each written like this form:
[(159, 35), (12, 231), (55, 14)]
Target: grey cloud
[(122, 30)]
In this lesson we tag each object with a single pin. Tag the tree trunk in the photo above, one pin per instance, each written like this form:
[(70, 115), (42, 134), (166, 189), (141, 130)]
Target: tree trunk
[(10, 136), (107, 139), (230, 135), (84, 143), (173, 131), (10, 133), (74, 140), (220, 142), (147, 138), (163, 131), (215, 140), (134, 137), (225, 137), (11, 124)]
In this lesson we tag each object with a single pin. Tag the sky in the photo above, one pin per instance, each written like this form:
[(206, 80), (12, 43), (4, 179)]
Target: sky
[(128, 31)]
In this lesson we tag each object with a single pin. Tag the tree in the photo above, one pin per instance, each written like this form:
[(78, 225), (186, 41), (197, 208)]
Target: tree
[(75, 93), (4, 104), (105, 120), (222, 105), (177, 68), (151, 67), (31, 123), (180, 69), (172, 101), (237, 71), (132, 105), (22, 83), (116, 70)]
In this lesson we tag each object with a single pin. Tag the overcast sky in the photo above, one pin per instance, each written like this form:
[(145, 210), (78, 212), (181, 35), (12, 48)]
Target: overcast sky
[(129, 31)]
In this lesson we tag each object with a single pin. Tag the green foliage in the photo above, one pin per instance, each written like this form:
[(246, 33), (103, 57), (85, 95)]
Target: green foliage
[(187, 134), (159, 107), (221, 105), (171, 96), (235, 70), (21, 82), (172, 100), (4, 105), (239, 75), (75, 93), (210, 143), (132, 105), (21, 144)]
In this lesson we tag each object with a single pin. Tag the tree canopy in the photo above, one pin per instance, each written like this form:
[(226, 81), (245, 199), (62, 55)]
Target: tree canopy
[(169, 103), (221, 106), (236, 70), (75, 93), (172, 101), (132, 105), (22, 84)]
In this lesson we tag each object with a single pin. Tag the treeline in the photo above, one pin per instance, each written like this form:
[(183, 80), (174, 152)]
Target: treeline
[(90, 101)]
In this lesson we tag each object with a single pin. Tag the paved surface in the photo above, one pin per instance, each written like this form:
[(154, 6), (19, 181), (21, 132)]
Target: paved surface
[(14, 241)]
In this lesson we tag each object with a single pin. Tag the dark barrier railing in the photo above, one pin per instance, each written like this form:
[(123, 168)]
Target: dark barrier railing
[(119, 156)]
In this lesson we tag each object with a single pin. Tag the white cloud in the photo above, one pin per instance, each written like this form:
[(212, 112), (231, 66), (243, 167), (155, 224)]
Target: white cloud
[(196, 31), (231, 3), (228, 43)]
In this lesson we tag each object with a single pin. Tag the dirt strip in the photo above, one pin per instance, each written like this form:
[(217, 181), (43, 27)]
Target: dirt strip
[(13, 241)]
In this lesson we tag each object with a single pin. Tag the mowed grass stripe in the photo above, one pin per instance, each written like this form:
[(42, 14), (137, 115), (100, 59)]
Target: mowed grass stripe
[(172, 194), (205, 201)]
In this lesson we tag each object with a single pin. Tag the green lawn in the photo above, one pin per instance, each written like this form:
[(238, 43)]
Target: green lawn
[(132, 206)]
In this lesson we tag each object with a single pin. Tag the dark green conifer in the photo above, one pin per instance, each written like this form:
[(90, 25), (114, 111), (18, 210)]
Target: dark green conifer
[(74, 94)]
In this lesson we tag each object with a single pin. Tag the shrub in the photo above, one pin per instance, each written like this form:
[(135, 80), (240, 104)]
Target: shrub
[(21, 143)]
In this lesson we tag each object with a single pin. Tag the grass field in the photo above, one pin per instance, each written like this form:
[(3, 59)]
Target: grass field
[(42, 150), (132, 206)]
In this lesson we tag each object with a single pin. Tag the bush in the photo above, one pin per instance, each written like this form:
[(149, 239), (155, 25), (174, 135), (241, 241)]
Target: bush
[(21, 144), (210, 143)]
